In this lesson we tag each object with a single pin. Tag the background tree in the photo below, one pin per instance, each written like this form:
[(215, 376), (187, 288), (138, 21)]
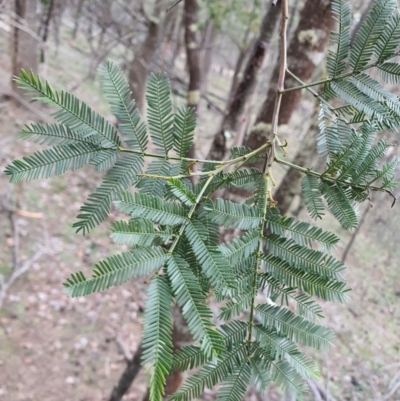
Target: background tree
[(305, 53), (24, 45), (233, 119)]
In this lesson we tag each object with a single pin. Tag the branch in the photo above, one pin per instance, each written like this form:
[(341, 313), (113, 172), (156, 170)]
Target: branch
[(282, 66), (340, 182), (131, 371), (157, 156), (5, 285), (342, 76), (173, 5), (212, 173), (271, 155)]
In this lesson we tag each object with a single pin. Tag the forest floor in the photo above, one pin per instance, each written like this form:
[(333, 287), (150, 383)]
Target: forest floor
[(54, 348)]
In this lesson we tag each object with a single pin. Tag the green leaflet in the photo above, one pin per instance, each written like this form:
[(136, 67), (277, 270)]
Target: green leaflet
[(155, 186), (184, 127), (238, 151), (301, 232), (296, 328), (54, 134), (116, 89), (136, 232), (313, 284), (159, 112), (339, 204), (240, 248), (312, 196), (234, 387), (73, 113), (389, 39), (260, 376), (390, 72), (211, 374), (281, 372), (54, 161), (367, 37), (119, 178), (208, 230), (235, 215), (181, 192), (243, 178), (115, 270), (368, 166), (151, 208), (308, 260), (194, 308), (282, 348), (336, 60), (189, 357), (157, 335), (213, 263), (306, 306), (59, 135), (234, 333), (349, 92), (240, 304), (374, 90)]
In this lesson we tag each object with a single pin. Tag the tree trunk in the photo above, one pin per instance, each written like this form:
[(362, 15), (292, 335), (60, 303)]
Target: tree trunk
[(141, 63), (78, 17), (245, 88), (132, 369), (290, 186), (208, 51), (46, 24), (169, 38), (192, 59), (24, 45), (306, 50)]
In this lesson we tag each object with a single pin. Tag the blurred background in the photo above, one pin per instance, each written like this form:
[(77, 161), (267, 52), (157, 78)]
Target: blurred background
[(221, 58)]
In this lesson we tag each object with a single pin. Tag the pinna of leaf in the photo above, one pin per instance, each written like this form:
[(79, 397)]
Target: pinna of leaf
[(172, 226)]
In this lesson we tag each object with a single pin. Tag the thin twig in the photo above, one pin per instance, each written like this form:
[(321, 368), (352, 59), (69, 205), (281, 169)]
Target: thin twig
[(342, 76), (331, 179), (5, 285), (355, 233), (15, 236), (160, 156), (20, 270), (173, 5), (271, 153), (212, 173), (124, 348)]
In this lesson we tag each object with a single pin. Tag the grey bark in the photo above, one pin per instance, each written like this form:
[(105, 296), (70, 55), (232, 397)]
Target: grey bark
[(208, 51), (78, 18), (24, 45), (246, 87), (46, 24), (131, 371), (192, 59), (305, 52), (141, 64)]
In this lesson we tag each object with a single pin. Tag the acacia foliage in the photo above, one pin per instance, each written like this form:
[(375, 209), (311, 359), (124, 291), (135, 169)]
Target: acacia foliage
[(172, 226)]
